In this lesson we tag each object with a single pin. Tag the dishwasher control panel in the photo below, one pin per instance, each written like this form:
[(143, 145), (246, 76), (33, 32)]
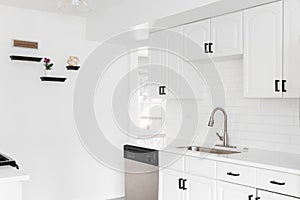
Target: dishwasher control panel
[(140, 154)]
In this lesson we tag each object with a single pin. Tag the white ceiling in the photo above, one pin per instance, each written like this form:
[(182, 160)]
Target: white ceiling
[(51, 5), (44, 5)]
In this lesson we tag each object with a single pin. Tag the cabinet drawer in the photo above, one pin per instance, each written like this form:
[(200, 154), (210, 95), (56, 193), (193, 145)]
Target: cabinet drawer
[(236, 174), (201, 167), (171, 161), (278, 182)]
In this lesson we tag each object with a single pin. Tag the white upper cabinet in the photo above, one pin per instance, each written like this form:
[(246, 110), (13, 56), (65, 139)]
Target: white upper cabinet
[(263, 51), (268, 37), (291, 58), (174, 61), (168, 53), (226, 35), (156, 74), (197, 34)]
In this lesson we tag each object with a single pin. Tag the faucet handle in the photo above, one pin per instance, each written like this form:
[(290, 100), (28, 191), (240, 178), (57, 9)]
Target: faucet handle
[(219, 136)]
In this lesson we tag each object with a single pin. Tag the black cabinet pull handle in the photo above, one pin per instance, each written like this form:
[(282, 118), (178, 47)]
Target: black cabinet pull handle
[(276, 183), (257, 198), (184, 187), (277, 85), (205, 47), (161, 90), (232, 174), (250, 197), (210, 47), (283, 86), (180, 183)]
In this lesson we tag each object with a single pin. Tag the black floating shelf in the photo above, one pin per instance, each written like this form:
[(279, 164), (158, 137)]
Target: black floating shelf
[(26, 58), (73, 68), (53, 79)]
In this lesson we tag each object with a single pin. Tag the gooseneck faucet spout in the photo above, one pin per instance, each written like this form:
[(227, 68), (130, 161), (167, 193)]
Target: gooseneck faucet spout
[(211, 122)]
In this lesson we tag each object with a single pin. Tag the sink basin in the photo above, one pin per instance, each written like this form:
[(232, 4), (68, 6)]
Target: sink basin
[(210, 150)]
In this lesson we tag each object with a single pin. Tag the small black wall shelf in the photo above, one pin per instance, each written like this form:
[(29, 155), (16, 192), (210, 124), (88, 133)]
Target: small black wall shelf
[(75, 68), (25, 58), (53, 79)]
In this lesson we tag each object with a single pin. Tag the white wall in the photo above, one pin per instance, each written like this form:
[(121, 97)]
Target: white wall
[(120, 15), (37, 127)]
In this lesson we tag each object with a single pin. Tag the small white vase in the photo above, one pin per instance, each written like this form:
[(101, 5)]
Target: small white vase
[(47, 73)]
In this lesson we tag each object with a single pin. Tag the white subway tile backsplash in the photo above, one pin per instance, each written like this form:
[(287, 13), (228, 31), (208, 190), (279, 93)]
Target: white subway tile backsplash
[(295, 140), (271, 124), (260, 136), (273, 146), (280, 120), (289, 130)]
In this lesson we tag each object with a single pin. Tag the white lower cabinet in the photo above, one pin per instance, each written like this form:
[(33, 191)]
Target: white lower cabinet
[(176, 185), (189, 182), (263, 195), (170, 181), (11, 191), (200, 188), (228, 191)]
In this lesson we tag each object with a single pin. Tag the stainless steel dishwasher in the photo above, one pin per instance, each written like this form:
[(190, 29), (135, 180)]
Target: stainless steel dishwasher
[(141, 173)]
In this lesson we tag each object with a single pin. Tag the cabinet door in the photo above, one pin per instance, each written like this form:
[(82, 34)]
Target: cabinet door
[(11, 191), (227, 191), (262, 50), (169, 185), (199, 33), (291, 70), (169, 54), (226, 35), (157, 41), (174, 44), (200, 188), (272, 196)]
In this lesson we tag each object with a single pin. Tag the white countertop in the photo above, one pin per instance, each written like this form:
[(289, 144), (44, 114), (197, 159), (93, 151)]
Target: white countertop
[(9, 174), (263, 159)]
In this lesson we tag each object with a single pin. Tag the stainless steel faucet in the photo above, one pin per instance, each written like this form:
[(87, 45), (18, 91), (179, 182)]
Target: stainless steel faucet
[(211, 122)]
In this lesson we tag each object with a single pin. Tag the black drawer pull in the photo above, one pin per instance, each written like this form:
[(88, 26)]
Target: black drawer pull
[(257, 198), (232, 174), (276, 183), (250, 197)]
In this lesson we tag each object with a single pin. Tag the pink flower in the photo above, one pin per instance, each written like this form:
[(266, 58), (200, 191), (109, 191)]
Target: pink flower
[(47, 60)]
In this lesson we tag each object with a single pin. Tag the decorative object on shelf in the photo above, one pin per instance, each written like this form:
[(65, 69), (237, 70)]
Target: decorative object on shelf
[(53, 79), (73, 63), (25, 44), (48, 66), (25, 58), (74, 6)]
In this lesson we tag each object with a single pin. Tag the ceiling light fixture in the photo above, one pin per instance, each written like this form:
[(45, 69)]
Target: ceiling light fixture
[(74, 6)]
